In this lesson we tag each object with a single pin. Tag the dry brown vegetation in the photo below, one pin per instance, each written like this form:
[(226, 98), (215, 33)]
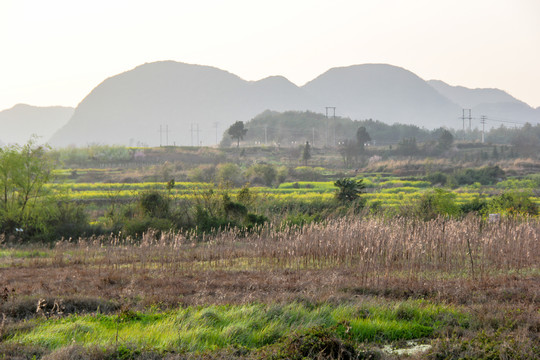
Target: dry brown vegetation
[(446, 259), (492, 270)]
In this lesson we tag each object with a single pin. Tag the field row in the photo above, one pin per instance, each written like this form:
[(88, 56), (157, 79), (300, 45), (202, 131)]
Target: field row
[(388, 193)]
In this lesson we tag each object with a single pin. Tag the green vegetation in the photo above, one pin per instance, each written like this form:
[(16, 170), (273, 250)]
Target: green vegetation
[(237, 131), (253, 326), (366, 248)]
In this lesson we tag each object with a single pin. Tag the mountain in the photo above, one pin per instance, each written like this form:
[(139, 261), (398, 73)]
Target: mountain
[(469, 98), (185, 100), (383, 92), (170, 102), (22, 121), (493, 103)]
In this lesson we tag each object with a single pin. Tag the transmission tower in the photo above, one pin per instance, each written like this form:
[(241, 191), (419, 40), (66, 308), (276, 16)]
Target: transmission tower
[(483, 122)]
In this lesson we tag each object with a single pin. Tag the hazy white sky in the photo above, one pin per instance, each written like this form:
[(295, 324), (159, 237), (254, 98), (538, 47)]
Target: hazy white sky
[(55, 52)]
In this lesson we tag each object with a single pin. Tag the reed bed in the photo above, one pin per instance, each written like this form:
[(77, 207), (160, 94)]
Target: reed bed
[(374, 249)]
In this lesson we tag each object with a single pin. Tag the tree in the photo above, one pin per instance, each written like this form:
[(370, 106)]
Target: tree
[(526, 142), (262, 173), (306, 153), (24, 171), (445, 139), (437, 202), (349, 189), (349, 151), (362, 137), (229, 174), (237, 131), (407, 147)]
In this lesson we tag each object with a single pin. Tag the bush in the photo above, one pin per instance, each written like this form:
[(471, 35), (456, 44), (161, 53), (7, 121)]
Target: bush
[(435, 203), (318, 343), (207, 222), (299, 219), (229, 173), (477, 205), (488, 175), (513, 203), (306, 173), (349, 189), (154, 204), (136, 227), (69, 220), (437, 178), (264, 174)]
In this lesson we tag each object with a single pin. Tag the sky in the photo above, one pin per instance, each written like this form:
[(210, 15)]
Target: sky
[(55, 52)]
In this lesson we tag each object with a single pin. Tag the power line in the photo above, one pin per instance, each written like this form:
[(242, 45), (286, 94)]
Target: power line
[(463, 118), (483, 122), (161, 135)]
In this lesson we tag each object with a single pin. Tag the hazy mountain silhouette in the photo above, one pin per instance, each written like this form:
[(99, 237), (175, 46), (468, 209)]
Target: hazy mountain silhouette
[(129, 108), (22, 121), (469, 98), (383, 92), (493, 103)]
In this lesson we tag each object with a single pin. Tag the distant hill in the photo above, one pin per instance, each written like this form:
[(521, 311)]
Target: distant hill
[(129, 108), (469, 98), (196, 104), (493, 103), (20, 122), (294, 128), (383, 92)]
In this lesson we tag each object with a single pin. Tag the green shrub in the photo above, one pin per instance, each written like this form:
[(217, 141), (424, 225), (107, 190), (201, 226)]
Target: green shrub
[(513, 203), (488, 175), (137, 226), (229, 173), (437, 178), (349, 189), (263, 174), (477, 205), (299, 219), (306, 173), (435, 203), (154, 204)]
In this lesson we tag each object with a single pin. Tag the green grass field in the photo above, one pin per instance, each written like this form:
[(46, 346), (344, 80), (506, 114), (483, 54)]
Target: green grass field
[(204, 328)]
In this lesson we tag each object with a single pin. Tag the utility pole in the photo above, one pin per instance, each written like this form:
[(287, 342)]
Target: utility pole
[(463, 118), (483, 122), (198, 143), (265, 134)]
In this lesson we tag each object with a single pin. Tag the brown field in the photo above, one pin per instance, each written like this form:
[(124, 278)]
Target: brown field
[(490, 270), (459, 261)]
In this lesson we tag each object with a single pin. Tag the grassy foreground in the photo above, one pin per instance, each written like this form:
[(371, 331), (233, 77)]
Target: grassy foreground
[(208, 328), (343, 289)]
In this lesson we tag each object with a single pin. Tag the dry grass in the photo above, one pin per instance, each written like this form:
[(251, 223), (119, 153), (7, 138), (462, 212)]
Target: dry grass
[(491, 269), (447, 259)]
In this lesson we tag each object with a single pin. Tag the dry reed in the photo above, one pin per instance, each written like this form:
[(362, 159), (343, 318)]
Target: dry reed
[(375, 249)]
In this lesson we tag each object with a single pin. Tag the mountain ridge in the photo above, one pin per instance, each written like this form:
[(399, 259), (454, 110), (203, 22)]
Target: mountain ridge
[(20, 122), (175, 103)]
